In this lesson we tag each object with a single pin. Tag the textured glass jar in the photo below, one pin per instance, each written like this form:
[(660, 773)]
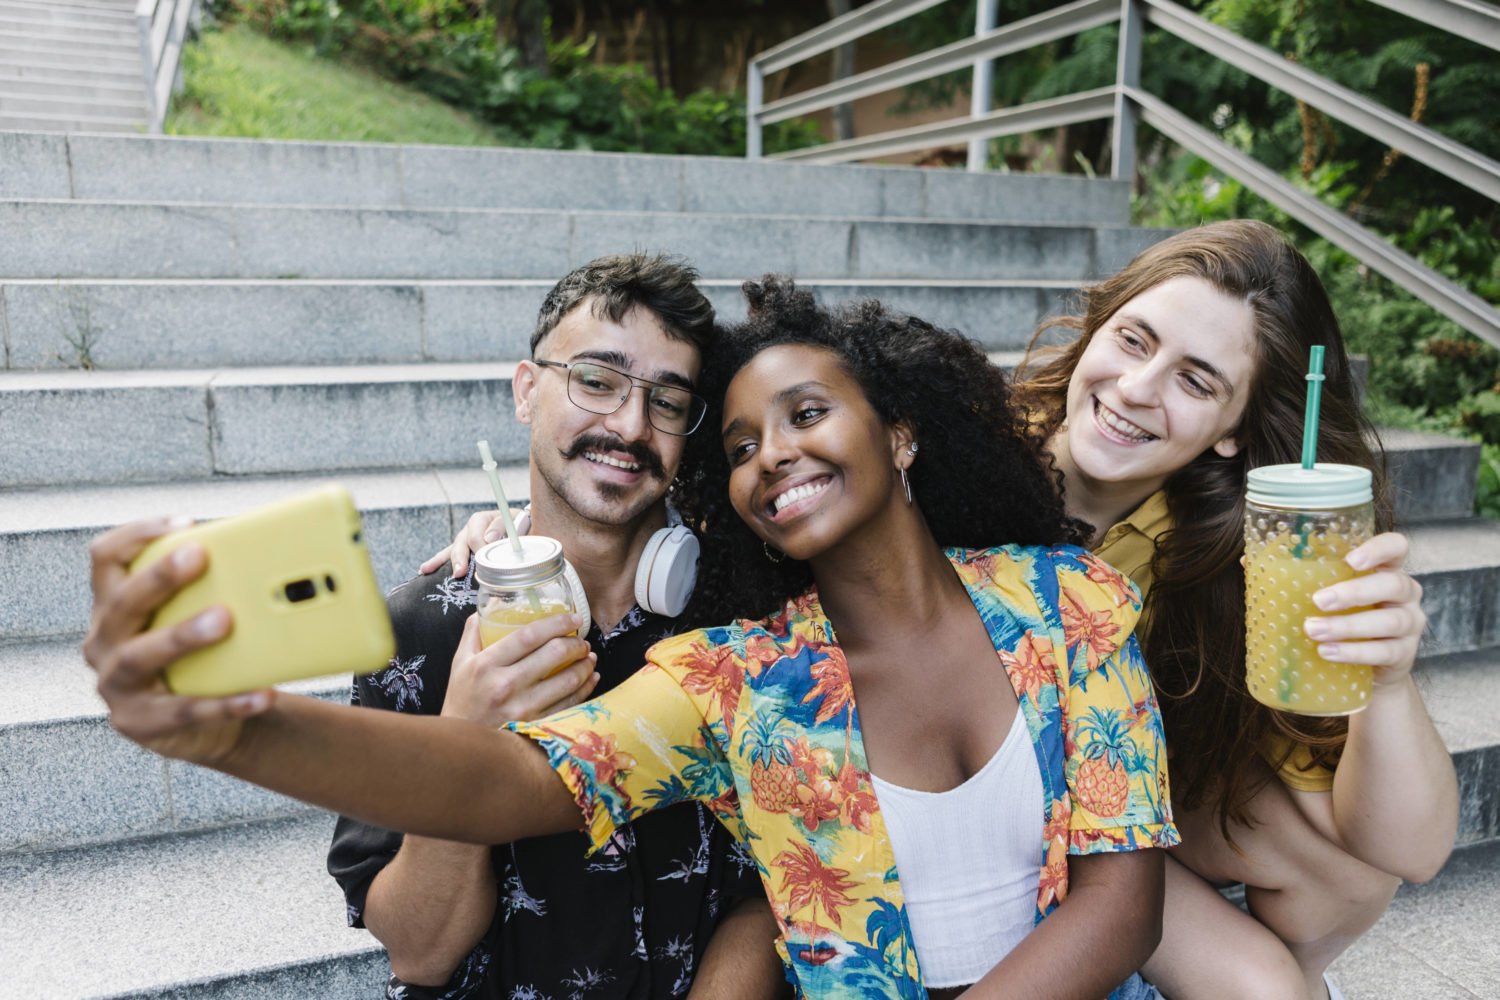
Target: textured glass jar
[(1300, 524), (515, 590)]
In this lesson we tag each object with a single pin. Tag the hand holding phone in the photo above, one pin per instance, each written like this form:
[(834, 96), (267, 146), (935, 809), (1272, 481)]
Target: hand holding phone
[(297, 580)]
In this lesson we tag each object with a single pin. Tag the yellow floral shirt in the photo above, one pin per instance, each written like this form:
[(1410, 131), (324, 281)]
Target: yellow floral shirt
[(758, 720)]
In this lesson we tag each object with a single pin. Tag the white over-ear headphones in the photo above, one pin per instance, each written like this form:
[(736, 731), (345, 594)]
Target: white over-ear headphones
[(664, 577)]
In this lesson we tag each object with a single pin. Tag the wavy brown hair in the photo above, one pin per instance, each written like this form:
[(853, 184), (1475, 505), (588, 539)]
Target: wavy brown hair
[(980, 480), (1193, 626)]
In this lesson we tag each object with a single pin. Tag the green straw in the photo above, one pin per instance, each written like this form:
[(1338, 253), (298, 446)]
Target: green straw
[(1314, 403), (491, 467)]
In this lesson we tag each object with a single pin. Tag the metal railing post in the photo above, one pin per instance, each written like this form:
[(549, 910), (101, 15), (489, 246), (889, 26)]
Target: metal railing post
[(754, 91), (1127, 78), (986, 16), (143, 16)]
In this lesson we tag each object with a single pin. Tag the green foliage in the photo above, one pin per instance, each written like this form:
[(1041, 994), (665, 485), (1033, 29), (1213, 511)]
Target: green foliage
[(446, 49), (237, 82)]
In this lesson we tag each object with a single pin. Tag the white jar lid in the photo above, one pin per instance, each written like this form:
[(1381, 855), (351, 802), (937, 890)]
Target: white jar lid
[(1325, 486), (498, 564)]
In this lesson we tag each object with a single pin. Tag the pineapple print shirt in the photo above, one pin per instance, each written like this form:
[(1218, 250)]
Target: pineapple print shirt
[(758, 720)]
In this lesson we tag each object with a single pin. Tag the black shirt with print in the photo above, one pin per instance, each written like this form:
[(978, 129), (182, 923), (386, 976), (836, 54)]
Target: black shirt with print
[(632, 921)]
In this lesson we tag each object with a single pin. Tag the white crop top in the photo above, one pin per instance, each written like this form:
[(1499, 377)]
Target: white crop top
[(969, 861)]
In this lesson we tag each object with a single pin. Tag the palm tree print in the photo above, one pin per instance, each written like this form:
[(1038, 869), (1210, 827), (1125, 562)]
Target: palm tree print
[(402, 682)]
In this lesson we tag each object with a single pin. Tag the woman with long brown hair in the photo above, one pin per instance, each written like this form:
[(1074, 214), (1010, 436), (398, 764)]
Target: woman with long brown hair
[(1187, 370)]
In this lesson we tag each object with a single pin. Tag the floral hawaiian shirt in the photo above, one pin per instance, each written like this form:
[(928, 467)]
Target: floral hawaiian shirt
[(758, 720)]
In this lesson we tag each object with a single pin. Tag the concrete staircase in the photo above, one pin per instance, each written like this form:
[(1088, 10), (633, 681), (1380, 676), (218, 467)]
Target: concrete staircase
[(198, 326), (69, 65)]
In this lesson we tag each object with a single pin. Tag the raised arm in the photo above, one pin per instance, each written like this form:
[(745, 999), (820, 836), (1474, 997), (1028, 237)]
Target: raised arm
[(438, 777), (1395, 795)]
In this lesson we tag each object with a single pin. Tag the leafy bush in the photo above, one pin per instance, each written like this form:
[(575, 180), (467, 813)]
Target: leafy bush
[(446, 49)]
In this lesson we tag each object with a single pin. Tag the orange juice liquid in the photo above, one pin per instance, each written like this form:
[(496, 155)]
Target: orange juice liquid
[(1282, 665), (498, 620)]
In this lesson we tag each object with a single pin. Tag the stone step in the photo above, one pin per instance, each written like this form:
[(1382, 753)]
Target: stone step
[(153, 426), (68, 239), (370, 175), (407, 516), (12, 103), (21, 51), (65, 86), (76, 782), (210, 323), (66, 72), (1457, 560), (1427, 946), (43, 12), (71, 780), (15, 21), (71, 123), (1434, 476), (121, 43), (1458, 564), (245, 911), (156, 426), (1462, 692), (81, 8)]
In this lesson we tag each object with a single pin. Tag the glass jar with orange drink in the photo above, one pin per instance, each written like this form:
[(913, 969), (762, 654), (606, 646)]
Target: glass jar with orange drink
[(1300, 524), (520, 582)]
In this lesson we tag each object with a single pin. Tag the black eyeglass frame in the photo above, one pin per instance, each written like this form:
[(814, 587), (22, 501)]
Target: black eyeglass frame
[(699, 403)]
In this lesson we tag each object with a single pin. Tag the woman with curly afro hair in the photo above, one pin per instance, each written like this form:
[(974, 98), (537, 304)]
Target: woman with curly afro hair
[(1185, 371), (820, 538), (927, 721)]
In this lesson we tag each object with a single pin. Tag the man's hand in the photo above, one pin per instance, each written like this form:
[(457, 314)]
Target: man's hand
[(129, 660), (540, 668), (483, 527)]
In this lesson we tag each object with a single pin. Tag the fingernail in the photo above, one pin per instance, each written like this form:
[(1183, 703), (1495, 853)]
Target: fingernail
[(210, 624), (187, 557), (1329, 651), (179, 522), (1357, 560), (1326, 600), (492, 536), (1316, 628), (252, 702)]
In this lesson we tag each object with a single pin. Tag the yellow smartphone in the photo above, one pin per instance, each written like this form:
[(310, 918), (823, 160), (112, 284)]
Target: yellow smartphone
[(297, 578)]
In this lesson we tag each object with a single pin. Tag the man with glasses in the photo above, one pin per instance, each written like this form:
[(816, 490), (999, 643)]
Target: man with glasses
[(672, 904)]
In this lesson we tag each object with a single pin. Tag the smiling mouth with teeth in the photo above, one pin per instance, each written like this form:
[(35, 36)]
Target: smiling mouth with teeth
[(594, 456), (1119, 425), (791, 496)]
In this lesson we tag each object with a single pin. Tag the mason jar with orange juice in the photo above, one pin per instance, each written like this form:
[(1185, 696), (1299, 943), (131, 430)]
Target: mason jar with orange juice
[(1300, 524)]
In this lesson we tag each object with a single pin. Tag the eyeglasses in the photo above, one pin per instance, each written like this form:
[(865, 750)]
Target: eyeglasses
[(670, 408)]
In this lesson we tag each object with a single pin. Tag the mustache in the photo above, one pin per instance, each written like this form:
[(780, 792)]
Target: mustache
[(643, 456)]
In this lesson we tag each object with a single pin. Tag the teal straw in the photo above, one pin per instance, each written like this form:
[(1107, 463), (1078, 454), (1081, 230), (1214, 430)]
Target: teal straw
[(1314, 403)]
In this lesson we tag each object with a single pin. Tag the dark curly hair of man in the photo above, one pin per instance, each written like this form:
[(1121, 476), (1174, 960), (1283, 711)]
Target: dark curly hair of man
[(979, 481)]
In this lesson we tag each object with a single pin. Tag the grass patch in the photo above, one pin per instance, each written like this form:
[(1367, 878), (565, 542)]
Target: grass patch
[(237, 82)]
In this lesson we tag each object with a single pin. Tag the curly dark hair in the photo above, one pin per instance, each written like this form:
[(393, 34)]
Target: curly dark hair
[(616, 284), (979, 481)]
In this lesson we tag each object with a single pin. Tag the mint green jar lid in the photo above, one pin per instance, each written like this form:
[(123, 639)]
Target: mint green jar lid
[(1323, 487)]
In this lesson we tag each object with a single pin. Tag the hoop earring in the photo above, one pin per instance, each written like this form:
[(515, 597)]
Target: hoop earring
[(905, 485), (779, 557)]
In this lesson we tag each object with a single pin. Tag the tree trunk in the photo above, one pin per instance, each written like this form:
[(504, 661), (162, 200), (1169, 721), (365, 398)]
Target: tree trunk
[(522, 23), (843, 66)]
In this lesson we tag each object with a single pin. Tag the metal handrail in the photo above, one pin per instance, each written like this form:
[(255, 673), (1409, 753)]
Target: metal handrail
[(163, 28), (1127, 105)]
